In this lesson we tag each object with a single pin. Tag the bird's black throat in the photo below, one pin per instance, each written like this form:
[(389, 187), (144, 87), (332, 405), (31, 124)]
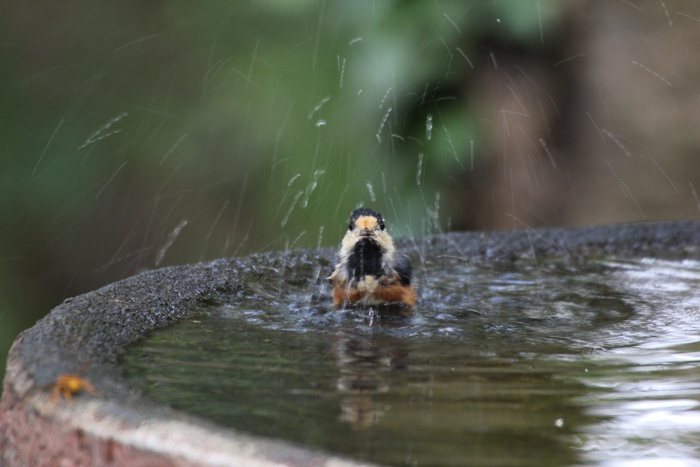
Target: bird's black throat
[(365, 259)]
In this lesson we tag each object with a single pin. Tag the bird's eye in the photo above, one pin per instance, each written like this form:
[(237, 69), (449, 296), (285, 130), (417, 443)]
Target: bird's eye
[(381, 225), (350, 227)]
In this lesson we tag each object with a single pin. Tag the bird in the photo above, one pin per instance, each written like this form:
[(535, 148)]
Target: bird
[(369, 270)]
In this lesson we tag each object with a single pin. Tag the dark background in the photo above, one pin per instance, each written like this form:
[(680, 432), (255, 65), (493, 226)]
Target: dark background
[(136, 135)]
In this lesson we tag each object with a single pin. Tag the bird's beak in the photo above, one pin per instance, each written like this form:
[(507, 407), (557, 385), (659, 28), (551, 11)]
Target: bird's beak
[(366, 232)]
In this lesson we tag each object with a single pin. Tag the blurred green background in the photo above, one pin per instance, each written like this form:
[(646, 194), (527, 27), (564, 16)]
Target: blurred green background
[(137, 135)]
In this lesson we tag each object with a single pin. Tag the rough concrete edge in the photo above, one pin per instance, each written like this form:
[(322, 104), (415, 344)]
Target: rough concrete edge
[(89, 434), (123, 428), (123, 417)]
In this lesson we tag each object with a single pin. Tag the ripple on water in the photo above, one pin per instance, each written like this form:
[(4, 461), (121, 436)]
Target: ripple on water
[(534, 363)]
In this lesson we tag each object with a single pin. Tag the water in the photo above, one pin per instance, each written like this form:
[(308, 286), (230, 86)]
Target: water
[(529, 364)]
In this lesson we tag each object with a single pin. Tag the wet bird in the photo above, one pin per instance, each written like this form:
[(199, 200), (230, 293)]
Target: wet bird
[(369, 270)]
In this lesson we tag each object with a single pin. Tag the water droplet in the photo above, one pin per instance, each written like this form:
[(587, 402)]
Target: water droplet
[(385, 97), (318, 106), (342, 73), (370, 188), (320, 237), (169, 241), (381, 125), (291, 208), (312, 185), (419, 171), (471, 148)]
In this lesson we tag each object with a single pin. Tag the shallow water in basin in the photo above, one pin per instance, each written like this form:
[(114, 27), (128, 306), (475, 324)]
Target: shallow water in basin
[(530, 364)]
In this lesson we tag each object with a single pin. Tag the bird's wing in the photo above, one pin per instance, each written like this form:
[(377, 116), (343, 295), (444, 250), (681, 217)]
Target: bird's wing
[(402, 266)]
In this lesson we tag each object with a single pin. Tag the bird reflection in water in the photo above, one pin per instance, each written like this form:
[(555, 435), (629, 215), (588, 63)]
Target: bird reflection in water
[(366, 365)]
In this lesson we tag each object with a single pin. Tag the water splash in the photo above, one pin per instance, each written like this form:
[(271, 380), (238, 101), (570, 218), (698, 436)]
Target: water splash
[(102, 133), (549, 153), (172, 148), (319, 241), (342, 72), (695, 195), (419, 170), (170, 240), (46, 148), (663, 172), (617, 141), (471, 152), (313, 183), (668, 16), (382, 123), (291, 208), (318, 106), (461, 52), (385, 97), (110, 180), (218, 217), (451, 21), (370, 189), (663, 80)]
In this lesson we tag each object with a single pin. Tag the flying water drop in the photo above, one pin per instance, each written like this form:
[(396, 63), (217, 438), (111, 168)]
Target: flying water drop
[(177, 143), (102, 132), (381, 125), (617, 141), (657, 75), (546, 149), (668, 16), (385, 97), (318, 106), (465, 57), (342, 73), (169, 241), (47, 146), (370, 189), (312, 185), (110, 180), (291, 208), (419, 170), (471, 149), (695, 195), (320, 237), (433, 215)]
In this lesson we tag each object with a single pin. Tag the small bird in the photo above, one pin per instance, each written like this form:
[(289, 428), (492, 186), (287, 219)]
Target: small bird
[(369, 270)]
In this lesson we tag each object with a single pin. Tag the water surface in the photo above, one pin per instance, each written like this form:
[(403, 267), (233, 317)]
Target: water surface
[(540, 363)]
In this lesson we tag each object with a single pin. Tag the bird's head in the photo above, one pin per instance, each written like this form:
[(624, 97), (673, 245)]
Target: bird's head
[(365, 223)]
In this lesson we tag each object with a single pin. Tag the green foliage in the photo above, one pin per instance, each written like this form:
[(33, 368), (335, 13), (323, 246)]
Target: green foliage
[(137, 135)]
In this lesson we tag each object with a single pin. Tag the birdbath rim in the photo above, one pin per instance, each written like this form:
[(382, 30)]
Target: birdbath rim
[(87, 335)]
